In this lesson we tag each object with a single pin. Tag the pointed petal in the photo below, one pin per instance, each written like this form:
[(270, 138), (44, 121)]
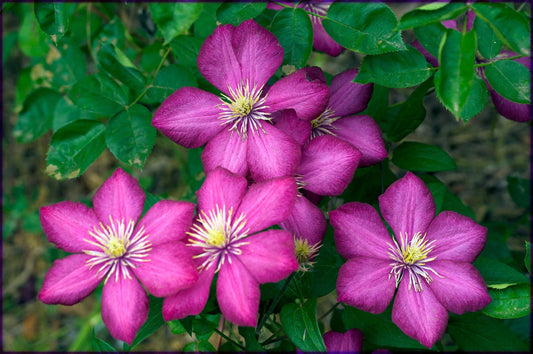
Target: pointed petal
[(347, 97), (189, 117), (363, 133), (328, 165), (169, 269), (290, 124), (460, 287), (457, 237), (67, 224), (190, 301), (238, 294), (323, 42), (419, 314), (348, 342), (269, 256), (120, 197), (359, 231), (407, 206), (258, 51), (272, 153), (227, 150), (306, 221), (217, 61), (69, 281), (304, 90), (166, 221), (124, 307), (268, 203), (221, 188), (364, 283)]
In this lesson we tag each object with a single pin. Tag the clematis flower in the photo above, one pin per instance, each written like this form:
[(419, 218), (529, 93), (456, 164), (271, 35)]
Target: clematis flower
[(111, 245), (428, 260), (350, 341), (228, 238), (236, 128), (321, 39), (340, 119)]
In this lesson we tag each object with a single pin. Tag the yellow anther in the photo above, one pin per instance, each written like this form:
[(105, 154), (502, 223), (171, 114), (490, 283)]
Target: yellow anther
[(115, 248)]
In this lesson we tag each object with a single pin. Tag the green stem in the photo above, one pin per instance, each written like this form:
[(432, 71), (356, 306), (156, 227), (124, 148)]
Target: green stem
[(338, 303), (274, 303), (229, 339)]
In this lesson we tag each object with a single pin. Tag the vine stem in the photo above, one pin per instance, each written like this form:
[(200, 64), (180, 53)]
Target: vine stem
[(220, 328), (229, 339)]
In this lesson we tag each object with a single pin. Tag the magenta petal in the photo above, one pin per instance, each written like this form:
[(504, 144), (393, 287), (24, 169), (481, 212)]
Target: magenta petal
[(221, 188), (346, 97), (271, 153), (359, 231), (363, 133), (120, 197), (167, 220), (124, 307), (459, 286), (323, 42), (304, 91), (217, 61), (269, 256), (348, 342), (419, 314), (67, 224), (407, 206), (189, 117), (519, 112), (364, 283), (306, 221), (328, 165), (268, 203), (227, 150), (238, 294), (290, 124), (457, 237), (258, 51), (69, 281), (190, 301), (169, 269)]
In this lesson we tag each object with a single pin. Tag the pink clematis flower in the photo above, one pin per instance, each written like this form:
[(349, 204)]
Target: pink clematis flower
[(237, 128), (429, 259), (110, 244), (350, 341), (228, 239)]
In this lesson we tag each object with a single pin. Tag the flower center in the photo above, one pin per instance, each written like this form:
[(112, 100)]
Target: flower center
[(219, 236), (305, 253), (244, 109), (120, 248), (412, 257), (324, 123)]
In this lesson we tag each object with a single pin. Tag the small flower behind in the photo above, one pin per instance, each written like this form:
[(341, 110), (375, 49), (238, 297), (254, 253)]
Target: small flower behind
[(429, 260), (111, 245)]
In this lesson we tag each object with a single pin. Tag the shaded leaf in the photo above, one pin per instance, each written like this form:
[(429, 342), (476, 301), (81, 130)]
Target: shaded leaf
[(153, 322), (527, 258), (476, 100), (414, 156), (510, 79), (498, 275), (112, 60), (101, 345), (174, 19), (66, 63), (186, 49), (65, 113), (207, 21), (520, 191), (488, 43), (430, 36), (235, 13), (54, 18), (33, 42), (511, 302), (202, 346), (430, 13), (300, 324), (168, 80)]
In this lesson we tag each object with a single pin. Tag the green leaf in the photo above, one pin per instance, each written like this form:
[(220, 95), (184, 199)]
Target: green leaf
[(186, 49), (511, 302), (33, 42), (202, 346), (294, 31), (176, 327), (300, 324), (479, 333), (426, 15), (476, 100), (325, 270), (367, 28), (498, 275), (100, 345), (405, 68), (205, 325), (453, 81), (378, 329), (511, 27), (174, 19), (151, 57), (66, 63), (444, 198), (130, 135), (430, 37), (488, 43), (153, 322), (9, 41), (510, 79), (25, 85), (100, 94), (74, 147), (235, 13), (37, 115), (168, 80), (252, 345), (207, 21), (410, 115), (527, 258), (65, 113), (520, 191), (54, 18), (414, 156), (112, 60)]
